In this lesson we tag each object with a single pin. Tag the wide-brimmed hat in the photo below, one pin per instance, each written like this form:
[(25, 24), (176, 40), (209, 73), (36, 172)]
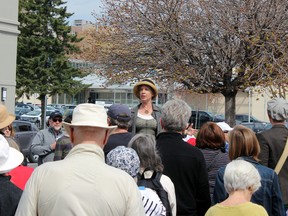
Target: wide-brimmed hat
[(278, 109), (88, 114), (147, 82), (124, 158), (10, 158), (5, 118)]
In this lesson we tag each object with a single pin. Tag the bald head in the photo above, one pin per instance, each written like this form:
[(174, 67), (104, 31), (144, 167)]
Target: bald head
[(89, 135)]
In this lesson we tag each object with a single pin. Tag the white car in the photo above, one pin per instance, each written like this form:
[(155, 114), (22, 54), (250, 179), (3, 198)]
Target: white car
[(34, 117)]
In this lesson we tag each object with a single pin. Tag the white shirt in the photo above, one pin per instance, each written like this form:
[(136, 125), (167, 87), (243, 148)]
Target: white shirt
[(81, 184)]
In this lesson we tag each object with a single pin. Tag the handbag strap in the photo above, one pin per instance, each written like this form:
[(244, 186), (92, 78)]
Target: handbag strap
[(282, 158)]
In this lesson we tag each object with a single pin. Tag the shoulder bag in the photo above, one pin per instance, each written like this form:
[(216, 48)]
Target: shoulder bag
[(282, 158)]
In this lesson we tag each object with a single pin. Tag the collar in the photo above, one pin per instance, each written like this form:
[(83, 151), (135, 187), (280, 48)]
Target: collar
[(167, 133), (154, 107), (52, 130), (87, 149), (279, 125), (248, 159)]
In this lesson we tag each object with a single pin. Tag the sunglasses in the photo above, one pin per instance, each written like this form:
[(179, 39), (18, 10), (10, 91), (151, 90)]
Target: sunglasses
[(56, 119)]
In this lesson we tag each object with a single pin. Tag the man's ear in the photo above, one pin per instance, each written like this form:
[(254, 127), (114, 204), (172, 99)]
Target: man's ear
[(108, 121), (71, 134), (107, 133)]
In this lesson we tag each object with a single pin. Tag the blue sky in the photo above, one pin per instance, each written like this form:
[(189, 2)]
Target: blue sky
[(82, 9)]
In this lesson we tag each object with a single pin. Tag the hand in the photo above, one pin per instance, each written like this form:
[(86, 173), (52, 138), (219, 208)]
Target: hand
[(53, 146), (191, 131)]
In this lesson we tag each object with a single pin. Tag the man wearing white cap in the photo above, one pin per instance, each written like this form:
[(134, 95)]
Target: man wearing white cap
[(82, 184), (272, 142), (10, 194)]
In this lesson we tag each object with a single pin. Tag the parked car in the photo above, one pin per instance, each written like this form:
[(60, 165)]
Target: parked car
[(24, 135), (198, 118), (20, 111), (26, 106), (257, 127), (245, 118), (35, 117)]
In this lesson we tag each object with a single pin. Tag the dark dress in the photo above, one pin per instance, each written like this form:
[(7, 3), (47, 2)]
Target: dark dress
[(117, 139), (186, 167), (10, 196)]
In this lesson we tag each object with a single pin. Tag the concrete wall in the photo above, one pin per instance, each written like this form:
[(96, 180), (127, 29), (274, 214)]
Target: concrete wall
[(8, 50)]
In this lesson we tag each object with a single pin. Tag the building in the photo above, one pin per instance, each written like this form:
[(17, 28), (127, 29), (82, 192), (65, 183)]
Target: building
[(99, 92), (8, 52), (80, 26)]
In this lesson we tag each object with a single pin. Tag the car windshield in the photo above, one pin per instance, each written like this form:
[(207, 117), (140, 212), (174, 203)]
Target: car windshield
[(34, 113)]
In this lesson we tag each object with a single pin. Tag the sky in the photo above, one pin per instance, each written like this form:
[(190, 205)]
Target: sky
[(82, 9)]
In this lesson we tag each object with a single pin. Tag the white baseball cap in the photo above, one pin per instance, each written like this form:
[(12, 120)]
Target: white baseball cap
[(224, 126)]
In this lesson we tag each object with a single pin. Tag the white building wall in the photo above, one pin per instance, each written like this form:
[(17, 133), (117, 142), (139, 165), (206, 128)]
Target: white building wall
[(8, 51)]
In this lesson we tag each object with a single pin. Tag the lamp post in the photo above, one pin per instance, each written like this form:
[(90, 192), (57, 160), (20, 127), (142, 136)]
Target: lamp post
[(249, 90)]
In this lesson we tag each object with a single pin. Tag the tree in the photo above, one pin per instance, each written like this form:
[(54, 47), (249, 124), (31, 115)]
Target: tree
[(206, 45), (42, 61)]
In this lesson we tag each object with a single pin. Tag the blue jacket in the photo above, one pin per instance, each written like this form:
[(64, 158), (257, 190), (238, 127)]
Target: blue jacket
[(268, 195)]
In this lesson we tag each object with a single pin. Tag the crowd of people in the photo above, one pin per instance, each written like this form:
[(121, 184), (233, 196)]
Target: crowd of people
[(138, 162)]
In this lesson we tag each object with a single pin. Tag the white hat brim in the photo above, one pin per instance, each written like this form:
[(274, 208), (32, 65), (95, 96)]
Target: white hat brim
[(15, 159)]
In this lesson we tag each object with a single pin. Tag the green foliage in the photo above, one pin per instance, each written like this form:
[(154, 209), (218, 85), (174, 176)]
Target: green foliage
[(43, 45)]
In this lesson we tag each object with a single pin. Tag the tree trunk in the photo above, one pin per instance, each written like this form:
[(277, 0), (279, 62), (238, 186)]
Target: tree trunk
[(230, 103), (43, 110)]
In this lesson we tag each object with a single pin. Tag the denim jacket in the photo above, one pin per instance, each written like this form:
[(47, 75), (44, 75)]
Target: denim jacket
[(268, 195)]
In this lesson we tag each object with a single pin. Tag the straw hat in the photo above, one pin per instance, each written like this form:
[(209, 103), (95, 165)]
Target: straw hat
[(10, 158), (88, 114), (5, 118), (147, 82)]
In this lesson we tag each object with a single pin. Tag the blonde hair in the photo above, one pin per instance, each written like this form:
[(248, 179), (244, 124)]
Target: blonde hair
[(243, 142)]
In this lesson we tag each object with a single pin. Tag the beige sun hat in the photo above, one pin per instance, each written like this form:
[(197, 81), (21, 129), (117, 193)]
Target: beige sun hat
[(5, 118), (88, 114), (10, 158), (147, 82)]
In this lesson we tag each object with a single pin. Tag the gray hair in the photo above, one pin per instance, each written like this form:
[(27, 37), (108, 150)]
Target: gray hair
[(145, 146), (241, 175), (175, 115), (120, 123)]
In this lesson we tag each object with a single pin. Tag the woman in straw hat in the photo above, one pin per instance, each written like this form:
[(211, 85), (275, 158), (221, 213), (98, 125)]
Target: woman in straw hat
[(146, 115)]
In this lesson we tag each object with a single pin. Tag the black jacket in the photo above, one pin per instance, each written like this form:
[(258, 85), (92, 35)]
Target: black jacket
[(10, 196), (186, 167)]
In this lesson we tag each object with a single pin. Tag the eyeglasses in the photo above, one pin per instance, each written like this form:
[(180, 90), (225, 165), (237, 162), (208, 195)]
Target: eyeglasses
[(55, 120)]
